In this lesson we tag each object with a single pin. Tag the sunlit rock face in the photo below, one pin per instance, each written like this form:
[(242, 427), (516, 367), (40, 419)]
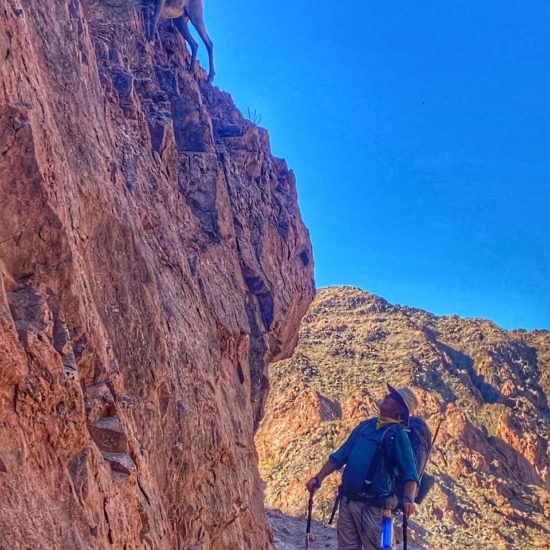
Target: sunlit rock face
[(488, 385), (153, 261)]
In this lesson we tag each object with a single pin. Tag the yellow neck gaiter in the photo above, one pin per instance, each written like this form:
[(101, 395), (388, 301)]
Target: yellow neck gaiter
[(382, 421)]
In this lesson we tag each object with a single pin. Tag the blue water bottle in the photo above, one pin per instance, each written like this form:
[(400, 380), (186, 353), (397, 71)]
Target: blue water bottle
[(387, 533)]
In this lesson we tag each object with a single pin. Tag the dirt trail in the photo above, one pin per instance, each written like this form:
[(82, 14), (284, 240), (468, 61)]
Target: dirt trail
[(289, 533)]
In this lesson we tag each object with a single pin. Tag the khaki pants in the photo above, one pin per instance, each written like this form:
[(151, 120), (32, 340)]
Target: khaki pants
[(359, 526)]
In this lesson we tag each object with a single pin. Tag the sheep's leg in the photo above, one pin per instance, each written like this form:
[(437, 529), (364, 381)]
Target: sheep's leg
[(195, 12), (159, 4), (181, 25)]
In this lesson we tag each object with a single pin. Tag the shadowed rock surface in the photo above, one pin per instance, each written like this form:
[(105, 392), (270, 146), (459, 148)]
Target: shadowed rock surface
[(153, 261), (492, 462)]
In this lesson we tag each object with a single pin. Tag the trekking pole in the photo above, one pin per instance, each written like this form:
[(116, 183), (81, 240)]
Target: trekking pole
[(426, 481), (432, 444), (405, 527), (405, 519), (309, 511), (420, 492)]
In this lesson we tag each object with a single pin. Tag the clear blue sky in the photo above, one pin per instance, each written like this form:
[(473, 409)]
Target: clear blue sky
[(419, 134)]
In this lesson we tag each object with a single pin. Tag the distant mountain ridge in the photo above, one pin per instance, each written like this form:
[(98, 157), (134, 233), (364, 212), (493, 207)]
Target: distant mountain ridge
[(489, 385)]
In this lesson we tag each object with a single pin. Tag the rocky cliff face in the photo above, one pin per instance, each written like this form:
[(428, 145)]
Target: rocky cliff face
[(488, 385), (152, 263)]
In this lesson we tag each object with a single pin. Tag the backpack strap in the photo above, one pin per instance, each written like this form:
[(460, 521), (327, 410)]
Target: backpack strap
[(367, 425)]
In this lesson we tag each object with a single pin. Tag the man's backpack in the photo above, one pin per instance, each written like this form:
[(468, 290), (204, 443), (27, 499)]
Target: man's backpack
[(420, 437), (421, 441)]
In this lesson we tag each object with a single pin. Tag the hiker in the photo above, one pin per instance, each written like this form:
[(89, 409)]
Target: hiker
[(377, 452)]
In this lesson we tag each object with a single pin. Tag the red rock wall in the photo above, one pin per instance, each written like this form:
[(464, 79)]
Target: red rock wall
[(152, 263)]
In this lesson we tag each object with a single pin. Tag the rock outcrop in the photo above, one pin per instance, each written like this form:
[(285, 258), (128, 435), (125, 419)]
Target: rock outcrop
[(152, 263), (488, 385)]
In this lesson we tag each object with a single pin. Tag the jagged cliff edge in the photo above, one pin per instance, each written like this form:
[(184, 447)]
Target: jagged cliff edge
[(153, 261)]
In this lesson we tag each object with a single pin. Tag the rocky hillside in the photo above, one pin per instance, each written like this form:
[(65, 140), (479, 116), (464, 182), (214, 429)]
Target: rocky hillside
[(153, 261), (488, 385)]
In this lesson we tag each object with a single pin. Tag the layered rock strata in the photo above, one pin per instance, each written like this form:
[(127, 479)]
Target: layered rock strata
[(489, 386), (152, 263)]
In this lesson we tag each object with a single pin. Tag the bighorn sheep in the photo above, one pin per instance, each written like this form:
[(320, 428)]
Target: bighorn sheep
[(181, 11)]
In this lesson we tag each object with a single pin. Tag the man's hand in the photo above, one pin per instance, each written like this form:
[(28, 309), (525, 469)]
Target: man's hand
[(313, 484), (408, 498), (408, 508)]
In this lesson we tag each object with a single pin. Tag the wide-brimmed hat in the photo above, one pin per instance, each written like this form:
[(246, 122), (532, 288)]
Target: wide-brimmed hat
[(406, 396)]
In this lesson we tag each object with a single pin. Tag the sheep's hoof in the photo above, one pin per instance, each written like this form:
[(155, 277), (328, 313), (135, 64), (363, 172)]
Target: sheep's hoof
[(211, 77)]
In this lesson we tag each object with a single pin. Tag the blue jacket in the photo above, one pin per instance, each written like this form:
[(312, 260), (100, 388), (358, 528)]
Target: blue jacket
[(359, 449)]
